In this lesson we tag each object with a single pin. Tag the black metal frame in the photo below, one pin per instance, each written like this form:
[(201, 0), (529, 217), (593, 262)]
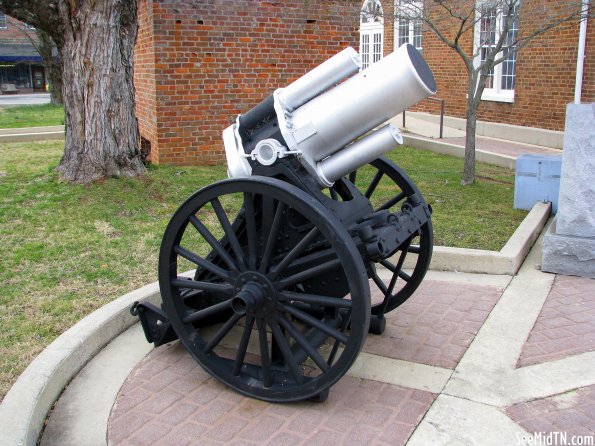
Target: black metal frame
[(280, 307)]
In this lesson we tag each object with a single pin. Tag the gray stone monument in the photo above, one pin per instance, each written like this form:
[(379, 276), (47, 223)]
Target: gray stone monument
[(569, 244)]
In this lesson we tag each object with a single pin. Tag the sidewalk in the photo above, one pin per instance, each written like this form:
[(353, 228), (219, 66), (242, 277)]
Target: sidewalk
[(471, 359), (24, 99), (32, 134), (423, 133)]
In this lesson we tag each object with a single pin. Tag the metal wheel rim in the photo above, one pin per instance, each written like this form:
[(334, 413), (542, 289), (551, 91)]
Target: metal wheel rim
[(222, 368), (407, 187)]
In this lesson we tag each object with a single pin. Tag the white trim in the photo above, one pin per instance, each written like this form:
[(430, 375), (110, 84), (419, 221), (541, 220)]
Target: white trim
[(490, 94), (580, 57), (411, 33), (369, 53)]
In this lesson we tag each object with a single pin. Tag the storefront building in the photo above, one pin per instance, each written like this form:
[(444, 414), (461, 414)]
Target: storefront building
[(21, 68)]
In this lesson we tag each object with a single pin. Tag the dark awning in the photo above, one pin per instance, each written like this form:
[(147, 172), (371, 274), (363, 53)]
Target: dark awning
[(19, 53), (21, 59)]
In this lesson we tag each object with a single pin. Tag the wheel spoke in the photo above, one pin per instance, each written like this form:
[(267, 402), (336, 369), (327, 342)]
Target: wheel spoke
[(334, 194), (272, 238), (335, 349), (229, 232), (286, 352), (265, 359), (379, 283), (320, 325), (303, 342), (222, 333), (309, 273), (243, 346), (294, 253), (353, 176), (203, 263), (390, 203), (374, 184), (403, 275), (210, 311), (316, 299), (415, 249), (250, 230), (219, 288), (388, 265), (211, 240)]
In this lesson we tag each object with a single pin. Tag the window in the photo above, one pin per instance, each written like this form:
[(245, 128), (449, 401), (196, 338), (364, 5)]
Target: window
[(492, 22), (3, 24), (408, 30), (371, 33)]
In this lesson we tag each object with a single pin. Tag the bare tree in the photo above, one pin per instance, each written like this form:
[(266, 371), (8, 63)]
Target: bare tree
[(95, 39), (47, 49), (493, 27)]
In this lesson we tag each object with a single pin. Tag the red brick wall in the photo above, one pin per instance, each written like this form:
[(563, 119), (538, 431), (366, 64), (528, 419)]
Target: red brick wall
[(545, 81), (214, 59), (144, 78)]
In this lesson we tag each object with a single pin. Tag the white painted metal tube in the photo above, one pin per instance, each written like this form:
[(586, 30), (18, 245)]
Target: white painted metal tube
[(359, 154), (339, 116), (321, 78), (580, 57)]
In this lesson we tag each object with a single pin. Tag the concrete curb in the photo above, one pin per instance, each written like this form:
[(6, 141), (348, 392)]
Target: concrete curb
[(423, 143), (32, 134), (25, 407), (506, 261)]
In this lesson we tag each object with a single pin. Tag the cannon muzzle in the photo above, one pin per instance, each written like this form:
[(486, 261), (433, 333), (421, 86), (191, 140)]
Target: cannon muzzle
[(322, 117)]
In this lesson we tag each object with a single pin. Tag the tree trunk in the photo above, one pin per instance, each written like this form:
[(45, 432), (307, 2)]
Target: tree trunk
[(469, 164), (102, 138), (47, 49)]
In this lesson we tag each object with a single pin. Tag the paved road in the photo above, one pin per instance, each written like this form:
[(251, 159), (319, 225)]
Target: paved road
[(24, 99)]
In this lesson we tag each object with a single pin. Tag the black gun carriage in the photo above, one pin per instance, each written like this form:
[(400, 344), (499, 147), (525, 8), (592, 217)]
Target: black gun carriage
[(283, 255)]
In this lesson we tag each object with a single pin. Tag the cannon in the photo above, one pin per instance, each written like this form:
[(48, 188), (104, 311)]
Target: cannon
[(273, 278)]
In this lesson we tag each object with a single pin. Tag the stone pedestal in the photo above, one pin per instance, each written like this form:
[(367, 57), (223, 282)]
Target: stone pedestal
[(569, 245)]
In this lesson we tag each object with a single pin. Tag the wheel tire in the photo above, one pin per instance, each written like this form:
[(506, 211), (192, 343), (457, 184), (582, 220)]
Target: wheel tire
[(247, 315)]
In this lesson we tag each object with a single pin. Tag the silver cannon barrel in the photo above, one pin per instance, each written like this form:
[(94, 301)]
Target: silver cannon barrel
[(327, 117)]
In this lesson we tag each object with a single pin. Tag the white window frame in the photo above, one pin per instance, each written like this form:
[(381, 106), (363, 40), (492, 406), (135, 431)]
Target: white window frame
[(371, 37), (417, 6), (496, 93), (3, 21)]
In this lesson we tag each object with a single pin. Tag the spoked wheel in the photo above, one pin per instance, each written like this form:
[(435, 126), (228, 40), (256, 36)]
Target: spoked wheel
[(278, 306), (388, 187)]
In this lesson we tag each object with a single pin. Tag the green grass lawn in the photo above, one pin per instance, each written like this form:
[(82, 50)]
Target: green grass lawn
[(31, 116), (69, 249)]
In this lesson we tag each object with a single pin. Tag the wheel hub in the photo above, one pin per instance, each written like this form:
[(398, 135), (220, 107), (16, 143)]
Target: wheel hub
[(255, 295)]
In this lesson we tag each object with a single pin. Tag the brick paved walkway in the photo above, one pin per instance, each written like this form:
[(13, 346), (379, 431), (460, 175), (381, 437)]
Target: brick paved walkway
[(437, 325), (571, 412), (170, 400), (566, 324)]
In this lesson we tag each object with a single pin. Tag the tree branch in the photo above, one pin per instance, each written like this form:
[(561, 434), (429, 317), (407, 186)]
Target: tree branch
[(40, 14)]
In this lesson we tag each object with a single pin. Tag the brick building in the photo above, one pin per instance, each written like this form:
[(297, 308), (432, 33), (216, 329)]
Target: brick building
[(21, 68), (531, 90), (200, 63)]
